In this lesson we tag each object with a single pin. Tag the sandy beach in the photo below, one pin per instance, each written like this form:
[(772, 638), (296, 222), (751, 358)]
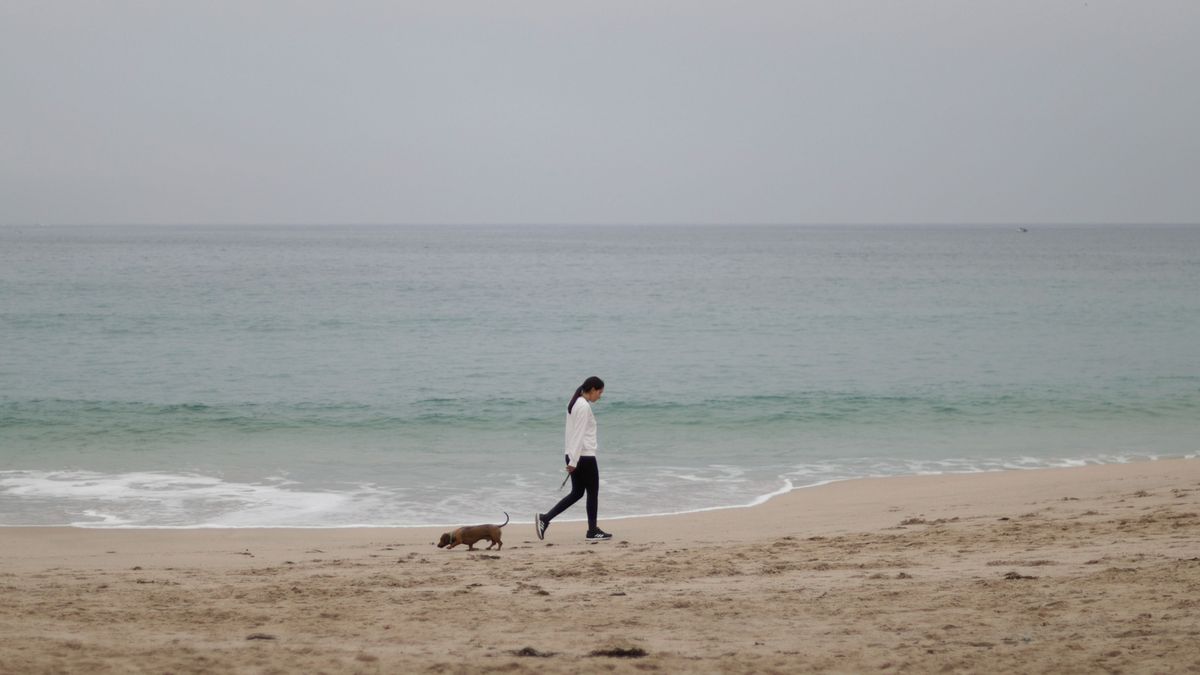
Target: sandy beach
[(1081, 570)]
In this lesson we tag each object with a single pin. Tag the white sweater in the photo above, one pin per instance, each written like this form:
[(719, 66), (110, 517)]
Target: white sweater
[(581, 432)]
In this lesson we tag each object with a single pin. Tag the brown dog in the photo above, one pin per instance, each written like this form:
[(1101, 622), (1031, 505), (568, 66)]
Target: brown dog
[(472, 534)]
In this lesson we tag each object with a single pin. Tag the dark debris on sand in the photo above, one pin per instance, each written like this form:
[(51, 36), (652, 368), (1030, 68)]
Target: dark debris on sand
[(1013, 576), (620, 653)]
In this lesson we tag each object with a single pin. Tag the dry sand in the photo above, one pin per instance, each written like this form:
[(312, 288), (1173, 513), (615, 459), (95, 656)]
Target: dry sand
[(1086, 570)]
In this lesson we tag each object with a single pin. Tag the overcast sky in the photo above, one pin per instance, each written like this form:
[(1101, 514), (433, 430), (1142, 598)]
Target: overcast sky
[(644, 111)]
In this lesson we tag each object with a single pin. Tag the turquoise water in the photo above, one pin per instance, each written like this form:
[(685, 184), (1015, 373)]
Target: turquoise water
[(338, 376)]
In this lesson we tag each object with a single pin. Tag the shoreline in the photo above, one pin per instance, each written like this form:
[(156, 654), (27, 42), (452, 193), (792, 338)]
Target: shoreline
[(788, 488), (572, 515), (1079, 569)]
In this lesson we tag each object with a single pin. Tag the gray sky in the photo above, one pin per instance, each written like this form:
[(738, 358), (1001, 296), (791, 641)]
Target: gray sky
[(642, 111)]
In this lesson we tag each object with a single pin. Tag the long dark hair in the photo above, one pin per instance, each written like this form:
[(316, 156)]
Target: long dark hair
[(591, 384)]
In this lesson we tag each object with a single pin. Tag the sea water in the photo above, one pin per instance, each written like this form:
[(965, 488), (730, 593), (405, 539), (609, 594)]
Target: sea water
[(403, 376)]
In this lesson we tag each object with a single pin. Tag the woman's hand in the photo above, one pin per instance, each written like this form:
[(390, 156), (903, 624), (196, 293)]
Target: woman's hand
[(570, 469)]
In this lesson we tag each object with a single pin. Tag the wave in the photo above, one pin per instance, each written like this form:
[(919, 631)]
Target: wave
[(91, 416), (155, 499), (852, 408), (803, 411)]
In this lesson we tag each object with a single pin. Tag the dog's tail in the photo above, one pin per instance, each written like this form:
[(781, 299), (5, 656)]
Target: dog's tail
[(505, 519)]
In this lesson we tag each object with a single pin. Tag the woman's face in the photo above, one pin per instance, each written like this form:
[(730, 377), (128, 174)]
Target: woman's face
[(593, 395)]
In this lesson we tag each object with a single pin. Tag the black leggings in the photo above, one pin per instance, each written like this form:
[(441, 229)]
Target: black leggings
[(585, 478)]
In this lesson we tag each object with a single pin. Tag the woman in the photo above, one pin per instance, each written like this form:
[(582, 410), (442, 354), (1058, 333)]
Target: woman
[(581, 459)]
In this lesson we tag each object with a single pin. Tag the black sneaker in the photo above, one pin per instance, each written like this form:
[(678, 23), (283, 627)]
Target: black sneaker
[(598, 535), (541, 525)]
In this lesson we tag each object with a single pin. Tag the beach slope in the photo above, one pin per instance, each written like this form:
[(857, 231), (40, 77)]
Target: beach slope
[(1080, 570)]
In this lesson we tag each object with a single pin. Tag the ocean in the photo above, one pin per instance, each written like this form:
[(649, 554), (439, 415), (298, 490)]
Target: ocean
[(346, 376)]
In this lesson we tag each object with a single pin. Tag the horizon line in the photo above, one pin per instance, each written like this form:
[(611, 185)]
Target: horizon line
[(1013, 224)]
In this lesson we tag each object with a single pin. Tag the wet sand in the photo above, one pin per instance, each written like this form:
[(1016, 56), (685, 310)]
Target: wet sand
[(1084, 570)]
